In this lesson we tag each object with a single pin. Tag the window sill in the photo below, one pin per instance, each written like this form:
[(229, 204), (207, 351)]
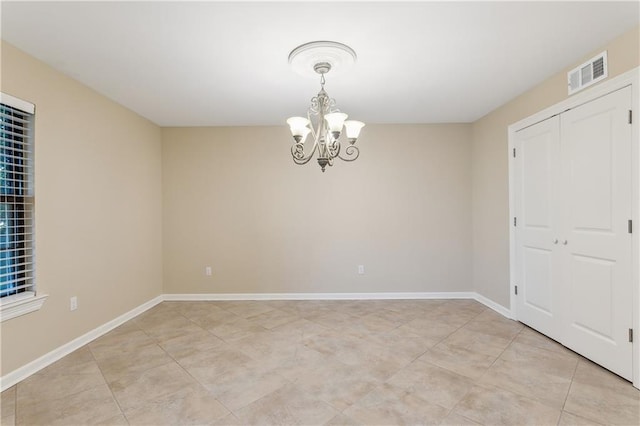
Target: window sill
[(20, 304)]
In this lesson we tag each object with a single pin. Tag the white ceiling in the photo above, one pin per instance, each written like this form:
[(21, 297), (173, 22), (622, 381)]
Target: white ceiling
[(211, 63)]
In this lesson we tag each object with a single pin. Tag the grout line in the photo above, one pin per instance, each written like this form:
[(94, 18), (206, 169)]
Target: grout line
[(570, 385), (108, 385)]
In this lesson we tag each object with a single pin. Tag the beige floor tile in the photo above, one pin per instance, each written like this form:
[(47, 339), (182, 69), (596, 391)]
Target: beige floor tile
[(156, 319), (301, 361), (560, 363), (342, 420), (77, 362), (238, 387), (195, 309), (300, 330), (464, 306), (189, 406), (387, 405), (127, 339), (8, 420), (303, 308), (528, 336), (530, 381), (356, 308), (231, 372), (337, 384), (499, 327), (119, 420), (130, 362), (454, 419), (476, 341), (61, 379), (168, 327), (432, 383), (273, 318), (290, 405), (249, 308), (373, 323), (493, 406), (418, 306), (271, 364), (355, 351), (91, 406), (397, 317), (433, 330), (212, 318), (333, 320), (457, 314), (334, 343), (537, 373), (603, 397), (228, 420), (8, 405), (217, 356), (136, 390), (191, 343), (236, 329), (459, 360), (267, 346), (568, 419), (398, 343)]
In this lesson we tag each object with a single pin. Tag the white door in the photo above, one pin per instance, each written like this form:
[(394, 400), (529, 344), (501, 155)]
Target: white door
[(536, 197), (596, 245)]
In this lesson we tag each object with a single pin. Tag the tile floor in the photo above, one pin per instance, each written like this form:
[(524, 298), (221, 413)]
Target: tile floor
[(449, 362)]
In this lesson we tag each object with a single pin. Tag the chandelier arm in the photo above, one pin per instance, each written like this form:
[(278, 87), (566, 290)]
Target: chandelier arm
[(334, 150), (299, 157), (297, 152), (353, 153)]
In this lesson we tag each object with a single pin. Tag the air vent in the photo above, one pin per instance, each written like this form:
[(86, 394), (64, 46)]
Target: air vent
[(592, 71)]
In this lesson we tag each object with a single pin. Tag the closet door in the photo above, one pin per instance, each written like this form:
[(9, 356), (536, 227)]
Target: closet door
[(595, 243), (536, 230)]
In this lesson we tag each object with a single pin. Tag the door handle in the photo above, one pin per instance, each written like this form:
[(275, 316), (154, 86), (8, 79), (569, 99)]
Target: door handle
[(555, 241), (565, 242)]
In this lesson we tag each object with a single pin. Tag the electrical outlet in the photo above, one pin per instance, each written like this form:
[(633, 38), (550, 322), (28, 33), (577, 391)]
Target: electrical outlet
[(207, 271), (361, 269), (73, 303)]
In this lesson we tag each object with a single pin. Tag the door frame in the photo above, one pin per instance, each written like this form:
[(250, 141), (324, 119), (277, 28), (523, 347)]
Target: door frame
[(629, 78)]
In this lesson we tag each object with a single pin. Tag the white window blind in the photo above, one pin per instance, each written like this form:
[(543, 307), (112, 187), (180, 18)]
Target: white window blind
[(17, 272)]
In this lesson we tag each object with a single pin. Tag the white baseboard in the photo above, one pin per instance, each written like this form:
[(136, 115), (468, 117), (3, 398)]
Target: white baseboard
[(318, 296), (493, 305), (33, 367)]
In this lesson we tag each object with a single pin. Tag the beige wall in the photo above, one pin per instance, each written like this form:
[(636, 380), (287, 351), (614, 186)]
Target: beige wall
[(98, 197), (234, 200), (490, 177)]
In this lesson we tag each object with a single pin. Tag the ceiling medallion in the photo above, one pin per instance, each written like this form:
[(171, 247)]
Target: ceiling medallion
[(324, 121)]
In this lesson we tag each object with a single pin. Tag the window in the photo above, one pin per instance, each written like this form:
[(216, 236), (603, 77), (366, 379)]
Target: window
[(17, 267)]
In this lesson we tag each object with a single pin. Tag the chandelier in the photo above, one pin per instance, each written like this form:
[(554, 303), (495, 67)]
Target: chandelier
[(324, 121)]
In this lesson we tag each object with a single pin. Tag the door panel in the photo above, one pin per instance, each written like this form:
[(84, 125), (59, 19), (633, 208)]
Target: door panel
[(537, 267), (536, 165), (593, 309), (596, 178)]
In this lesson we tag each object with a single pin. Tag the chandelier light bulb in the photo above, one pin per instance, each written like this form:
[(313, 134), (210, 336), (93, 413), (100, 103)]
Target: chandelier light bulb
[(298, 127), (353, 127), (335, 121)]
